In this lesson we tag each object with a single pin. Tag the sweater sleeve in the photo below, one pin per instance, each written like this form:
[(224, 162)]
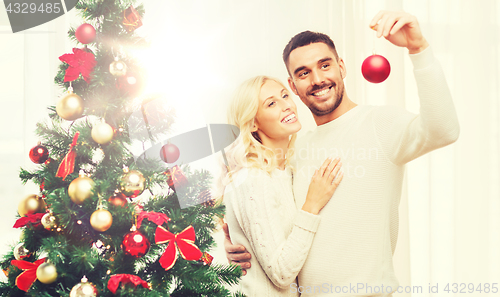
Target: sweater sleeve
[(257, 211), (405, 136)]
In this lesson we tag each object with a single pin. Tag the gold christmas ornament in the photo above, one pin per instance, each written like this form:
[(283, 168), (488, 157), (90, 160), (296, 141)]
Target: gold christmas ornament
[(84, 289), (30, 204), (80, 189), (132, 183), (70, 107), (118, 68), (49, 222), (20, 252), (46, 273), (102, 133), (101, 220)]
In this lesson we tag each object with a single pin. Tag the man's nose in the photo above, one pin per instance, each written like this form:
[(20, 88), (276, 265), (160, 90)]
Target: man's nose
[(317, 77)]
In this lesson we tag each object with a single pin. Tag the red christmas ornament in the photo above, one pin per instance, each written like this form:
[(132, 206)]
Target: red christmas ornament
[(118, 200), (169, 153), (376, 69), (85, 33), (39, 154), (131, 19), (135, 244), (125, 279), (68, 163), (79, 61), (175, 177), (181, 243), (130, 84)]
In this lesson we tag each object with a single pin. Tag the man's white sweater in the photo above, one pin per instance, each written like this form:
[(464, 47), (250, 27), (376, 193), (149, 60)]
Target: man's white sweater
[(351, 254)]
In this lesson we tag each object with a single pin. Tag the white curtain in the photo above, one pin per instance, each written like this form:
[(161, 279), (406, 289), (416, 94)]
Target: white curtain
[(450, 207)]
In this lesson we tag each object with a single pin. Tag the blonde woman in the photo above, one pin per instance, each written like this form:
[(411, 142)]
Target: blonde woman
[(257, 191)]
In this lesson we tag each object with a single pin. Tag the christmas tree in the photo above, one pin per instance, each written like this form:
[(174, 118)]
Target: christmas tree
[(90, 231)]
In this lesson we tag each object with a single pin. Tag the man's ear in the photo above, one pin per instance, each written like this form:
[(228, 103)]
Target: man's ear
[(292, 86), (343, 69)]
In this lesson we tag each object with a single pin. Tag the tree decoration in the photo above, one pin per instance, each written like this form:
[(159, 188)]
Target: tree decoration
[(375, 69), (132, 183), (102, 133), (31, 219), (39, 154), (79, 61), (46, 273), (118, 199), (175, 177), (49, 222), (101, 220), (68, 163), (206, 199), (70, 107), (130, 84), (118, 67), (156, 217), (84, 289), (20, 252), (135, 244), (115, 280), (206, 258), (80, 189), (29, 275), (169, 153), (30, 204), (85, 33), (131, 19), (183, 242)]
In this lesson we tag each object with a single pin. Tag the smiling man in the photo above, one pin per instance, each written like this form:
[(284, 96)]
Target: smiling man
[(352, 250)]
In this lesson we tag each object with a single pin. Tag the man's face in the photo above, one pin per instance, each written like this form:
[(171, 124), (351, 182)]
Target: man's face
[(317, 77)]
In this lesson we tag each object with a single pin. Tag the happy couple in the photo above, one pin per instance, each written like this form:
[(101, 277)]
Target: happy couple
[(301, 225)]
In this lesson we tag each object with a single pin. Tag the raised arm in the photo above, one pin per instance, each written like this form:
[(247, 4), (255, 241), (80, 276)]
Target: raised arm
[(406, 136)]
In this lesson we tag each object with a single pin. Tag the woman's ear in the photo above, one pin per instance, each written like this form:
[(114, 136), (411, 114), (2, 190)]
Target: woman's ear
[(255, 127)]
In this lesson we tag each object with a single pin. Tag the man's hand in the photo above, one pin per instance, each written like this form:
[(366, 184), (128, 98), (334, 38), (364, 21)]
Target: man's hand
[(401, 29), (236, 254)]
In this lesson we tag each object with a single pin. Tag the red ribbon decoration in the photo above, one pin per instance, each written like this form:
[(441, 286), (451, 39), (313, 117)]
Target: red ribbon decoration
[(183, 241), (28, 277), (68, 163), (114, 281), (33, 219), (155, 217), (79, 61)]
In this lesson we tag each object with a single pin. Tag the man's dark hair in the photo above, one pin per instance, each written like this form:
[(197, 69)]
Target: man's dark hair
[(306, 38)]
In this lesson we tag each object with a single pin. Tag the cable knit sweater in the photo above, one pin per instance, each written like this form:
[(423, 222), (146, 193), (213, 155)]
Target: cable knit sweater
[(354, 244), (262, 216)]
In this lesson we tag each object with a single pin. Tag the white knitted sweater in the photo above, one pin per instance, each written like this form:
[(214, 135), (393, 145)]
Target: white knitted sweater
[(261, 215), (354, 244)]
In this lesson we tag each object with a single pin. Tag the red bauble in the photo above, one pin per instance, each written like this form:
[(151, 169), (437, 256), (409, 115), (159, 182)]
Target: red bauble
[(169, 153), (376, 69), (39, 154), (135, 244), (118, 200), (85, 33), (130, 84)]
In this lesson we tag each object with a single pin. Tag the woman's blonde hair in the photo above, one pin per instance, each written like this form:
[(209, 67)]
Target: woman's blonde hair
[(247, 150)]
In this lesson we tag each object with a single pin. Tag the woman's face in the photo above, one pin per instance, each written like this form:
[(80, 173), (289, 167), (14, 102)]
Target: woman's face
[(277, 114)]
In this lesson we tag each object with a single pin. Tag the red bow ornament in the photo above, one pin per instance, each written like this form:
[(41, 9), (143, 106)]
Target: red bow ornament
[(115, 280), (79, 61), (68, 163), (183, 241), (28, 277)]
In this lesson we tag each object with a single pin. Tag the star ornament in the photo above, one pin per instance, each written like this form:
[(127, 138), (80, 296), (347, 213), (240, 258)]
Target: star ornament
[(79, 61)]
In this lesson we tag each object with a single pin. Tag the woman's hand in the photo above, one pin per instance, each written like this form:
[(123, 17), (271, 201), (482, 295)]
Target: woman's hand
[(323, 184)]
